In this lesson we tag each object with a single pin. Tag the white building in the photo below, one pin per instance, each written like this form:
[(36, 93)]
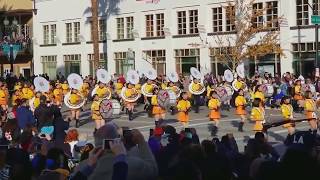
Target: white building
[(163, 35)]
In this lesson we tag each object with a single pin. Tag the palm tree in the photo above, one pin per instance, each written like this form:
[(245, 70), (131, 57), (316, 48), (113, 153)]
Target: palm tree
[(95, 33)]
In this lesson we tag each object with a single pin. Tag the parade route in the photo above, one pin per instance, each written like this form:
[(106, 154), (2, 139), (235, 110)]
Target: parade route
[(228, 124)]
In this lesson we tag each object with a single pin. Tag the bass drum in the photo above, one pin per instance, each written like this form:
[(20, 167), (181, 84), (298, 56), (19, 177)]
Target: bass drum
[(268, 90), (172, 97)]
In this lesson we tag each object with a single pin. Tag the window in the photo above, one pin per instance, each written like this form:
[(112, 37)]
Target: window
[(217, 67), (160, 24), (316, 7), (257, 20), (187, 58), (46, 34), (230, 18), (182, 22), (123, 62), (158, 59), (53, 33), (68, 32), (193, 21), (102, 29), (130, 26), (302, 12), (49, 65), (76, 27), (72, 63), (217, 19), (272, 14), (120, 28), (149, 25), (102, 62)]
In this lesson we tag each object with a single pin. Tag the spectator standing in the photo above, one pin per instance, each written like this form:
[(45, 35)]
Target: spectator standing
[(24, 115), (44, 113)]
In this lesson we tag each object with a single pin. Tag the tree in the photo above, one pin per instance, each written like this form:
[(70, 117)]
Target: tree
[(95, 33), (253, 35)]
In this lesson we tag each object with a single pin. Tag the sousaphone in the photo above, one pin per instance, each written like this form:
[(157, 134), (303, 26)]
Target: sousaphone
[(132, 78), (75, 82), (196, 88), (152, 75)]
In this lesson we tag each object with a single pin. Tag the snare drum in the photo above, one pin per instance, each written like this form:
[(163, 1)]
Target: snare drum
[(116, 107)]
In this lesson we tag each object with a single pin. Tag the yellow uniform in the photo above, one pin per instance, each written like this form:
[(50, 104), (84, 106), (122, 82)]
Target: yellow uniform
[(156, 109), (14, 99), (85, 89), (74, 99), (58, 94), (102, 92), (138, 87), (259, 95), (214, 105), (65, 88), (3, 97), (149, 88), (183, 106), (310, 108), (257, 115), (95, 106), (209, 89), (118, 87), (240, 103), (27, 93), (163, 85), (17, 86), (297, 93), (287, 114), (36, 102)]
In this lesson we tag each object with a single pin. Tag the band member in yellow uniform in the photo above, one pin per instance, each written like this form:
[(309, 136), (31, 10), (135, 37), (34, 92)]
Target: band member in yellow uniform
[(103, 91), (239, 84), (85, 89), (298, 96), (196, 86), (36, 101), (16, 97), (17, 86), (214, 106), (3, 98), (310, 110), (158, 112), (287, 114), (58, 95), (183, 107), (65, 87), (147, 100), (240, 103), (118, 87), (75, 98), (130, 92), (27, 93), (257, 115), (96, 115), (259, 94)]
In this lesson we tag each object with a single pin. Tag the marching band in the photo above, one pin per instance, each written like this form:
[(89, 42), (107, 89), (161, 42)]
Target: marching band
[(168, 95)]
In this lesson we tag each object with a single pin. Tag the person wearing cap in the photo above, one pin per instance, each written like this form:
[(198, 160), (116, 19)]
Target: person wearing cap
[(287, 114)]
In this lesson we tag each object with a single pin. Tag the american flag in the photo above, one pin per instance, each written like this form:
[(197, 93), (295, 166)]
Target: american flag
[(149, 1)]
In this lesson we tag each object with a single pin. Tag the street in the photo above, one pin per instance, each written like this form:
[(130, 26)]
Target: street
[(228, 124)]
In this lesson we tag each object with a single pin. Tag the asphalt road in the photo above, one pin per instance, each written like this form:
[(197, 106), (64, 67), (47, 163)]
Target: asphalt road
[(200, 121)]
